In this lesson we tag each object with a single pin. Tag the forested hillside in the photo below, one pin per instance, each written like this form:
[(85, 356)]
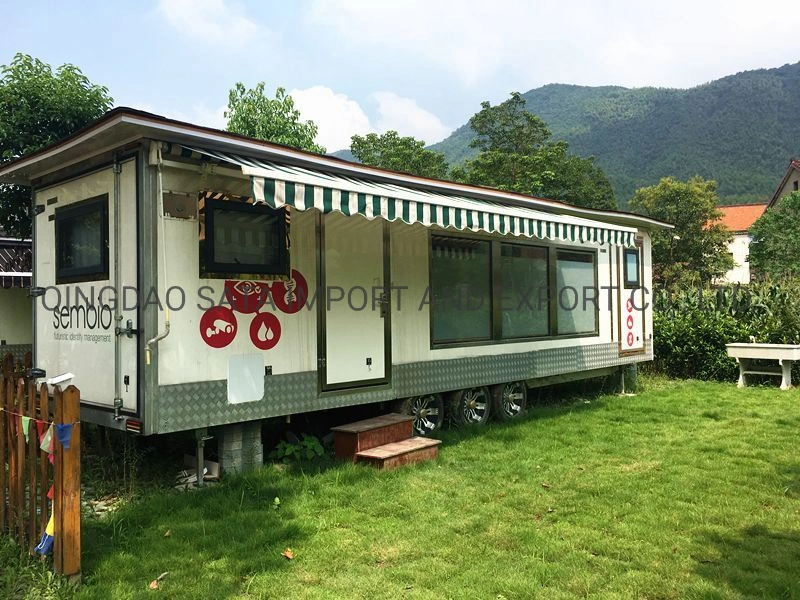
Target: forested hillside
[(740, 130)]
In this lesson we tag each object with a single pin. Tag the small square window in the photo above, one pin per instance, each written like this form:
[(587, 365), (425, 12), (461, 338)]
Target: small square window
[(238, 238), (632, 268), (82, 241)]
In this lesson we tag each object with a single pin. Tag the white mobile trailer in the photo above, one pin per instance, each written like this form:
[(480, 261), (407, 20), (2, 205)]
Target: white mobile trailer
[(345, 284)]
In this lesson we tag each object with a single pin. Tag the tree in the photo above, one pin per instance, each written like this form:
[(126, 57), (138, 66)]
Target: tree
[(251, 113), (405, 154), (39, 107), (516, 154), (775, 244), (697, 247)]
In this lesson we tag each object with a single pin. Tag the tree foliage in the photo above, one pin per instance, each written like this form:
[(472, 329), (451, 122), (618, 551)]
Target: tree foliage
[(405, 154), (775, 244), (250, 112), (697, 247), (515, 153), (39, 106)]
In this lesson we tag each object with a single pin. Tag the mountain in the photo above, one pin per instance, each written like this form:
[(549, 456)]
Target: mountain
[(344, 154), (740, 130)]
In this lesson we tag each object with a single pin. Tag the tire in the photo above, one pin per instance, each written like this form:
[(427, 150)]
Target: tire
[(509, 400), (471, 406), (428, 413)]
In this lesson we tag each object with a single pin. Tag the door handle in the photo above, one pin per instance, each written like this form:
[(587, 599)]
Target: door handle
[(383, 301)]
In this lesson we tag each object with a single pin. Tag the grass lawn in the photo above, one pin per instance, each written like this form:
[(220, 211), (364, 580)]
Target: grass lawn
[(688, 490)]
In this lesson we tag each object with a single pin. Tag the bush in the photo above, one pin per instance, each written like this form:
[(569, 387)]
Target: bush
[(691, 326)]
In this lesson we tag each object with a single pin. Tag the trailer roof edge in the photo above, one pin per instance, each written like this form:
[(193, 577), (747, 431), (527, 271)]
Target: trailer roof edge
[(27, 168)]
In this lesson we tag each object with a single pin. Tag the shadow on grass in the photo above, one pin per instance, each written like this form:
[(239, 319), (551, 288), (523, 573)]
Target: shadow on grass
[(550, 402), (755, 562), (216, 537)]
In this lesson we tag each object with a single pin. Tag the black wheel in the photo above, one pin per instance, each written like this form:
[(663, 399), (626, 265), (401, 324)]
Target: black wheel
[(469, 406), (509, 400), (428, 412)]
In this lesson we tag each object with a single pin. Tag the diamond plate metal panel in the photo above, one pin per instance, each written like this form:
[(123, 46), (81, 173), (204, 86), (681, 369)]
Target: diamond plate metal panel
[(205, 404)]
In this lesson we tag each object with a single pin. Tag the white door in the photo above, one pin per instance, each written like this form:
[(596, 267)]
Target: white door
[(355, 315), (632, 300)]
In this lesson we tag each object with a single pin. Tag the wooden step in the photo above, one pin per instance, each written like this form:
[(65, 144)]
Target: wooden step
[(352, 438), (397, 454)]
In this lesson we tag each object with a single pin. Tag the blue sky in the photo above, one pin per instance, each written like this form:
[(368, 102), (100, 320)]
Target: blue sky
[(419, 67)]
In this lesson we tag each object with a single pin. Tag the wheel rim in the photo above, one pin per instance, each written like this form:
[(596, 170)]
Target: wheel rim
[(427, 413), (475, 405), (512, 400)]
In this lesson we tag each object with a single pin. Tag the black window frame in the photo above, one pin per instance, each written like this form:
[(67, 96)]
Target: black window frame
[(632, 283), (78, 209), (496, 335), (210, 268)]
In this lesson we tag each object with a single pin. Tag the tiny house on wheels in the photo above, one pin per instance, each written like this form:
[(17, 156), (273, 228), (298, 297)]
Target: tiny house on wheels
[(189, 278)]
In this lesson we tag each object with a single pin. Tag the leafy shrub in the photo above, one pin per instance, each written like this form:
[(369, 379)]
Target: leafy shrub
[(307, 448), (691, 326)]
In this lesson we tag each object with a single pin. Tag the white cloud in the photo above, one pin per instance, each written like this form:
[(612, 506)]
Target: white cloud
[(337, 116), (208, 20), (406, 117), (679, 43)]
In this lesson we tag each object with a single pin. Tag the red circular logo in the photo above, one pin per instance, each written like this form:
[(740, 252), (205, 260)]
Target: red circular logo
[(218, 326), (630, 338), (246, 296), (629, 305), (290, 296), (265, 331), (630, 321)]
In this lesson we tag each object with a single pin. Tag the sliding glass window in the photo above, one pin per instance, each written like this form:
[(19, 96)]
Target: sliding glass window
[(461, 300), (576, 292), (523, 301)]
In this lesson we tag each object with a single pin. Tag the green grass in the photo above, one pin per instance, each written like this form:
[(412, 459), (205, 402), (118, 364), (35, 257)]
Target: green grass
[(25, 577), (688, 490)]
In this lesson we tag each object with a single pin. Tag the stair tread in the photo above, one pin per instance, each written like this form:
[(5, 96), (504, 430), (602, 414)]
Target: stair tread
[(373, 423), (398, 448)]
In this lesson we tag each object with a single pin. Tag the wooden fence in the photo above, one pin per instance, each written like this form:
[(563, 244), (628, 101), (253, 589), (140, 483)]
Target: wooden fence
[(40, 465)]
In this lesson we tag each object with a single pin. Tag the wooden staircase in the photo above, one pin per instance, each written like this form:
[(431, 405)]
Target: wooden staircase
[(384, 442)]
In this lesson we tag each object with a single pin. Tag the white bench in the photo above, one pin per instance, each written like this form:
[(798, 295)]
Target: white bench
[(747, 355)]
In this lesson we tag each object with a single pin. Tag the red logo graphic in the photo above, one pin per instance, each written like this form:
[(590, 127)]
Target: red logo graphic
[(629, 305), (630, 322), (218, 326), (246, 296), (630, 338), (290, 296), (265, 331)]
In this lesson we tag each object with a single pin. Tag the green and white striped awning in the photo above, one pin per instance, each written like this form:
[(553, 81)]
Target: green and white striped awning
[(303, 189)]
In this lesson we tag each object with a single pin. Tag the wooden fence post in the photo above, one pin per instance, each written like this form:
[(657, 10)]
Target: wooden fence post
[(67, 551)]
